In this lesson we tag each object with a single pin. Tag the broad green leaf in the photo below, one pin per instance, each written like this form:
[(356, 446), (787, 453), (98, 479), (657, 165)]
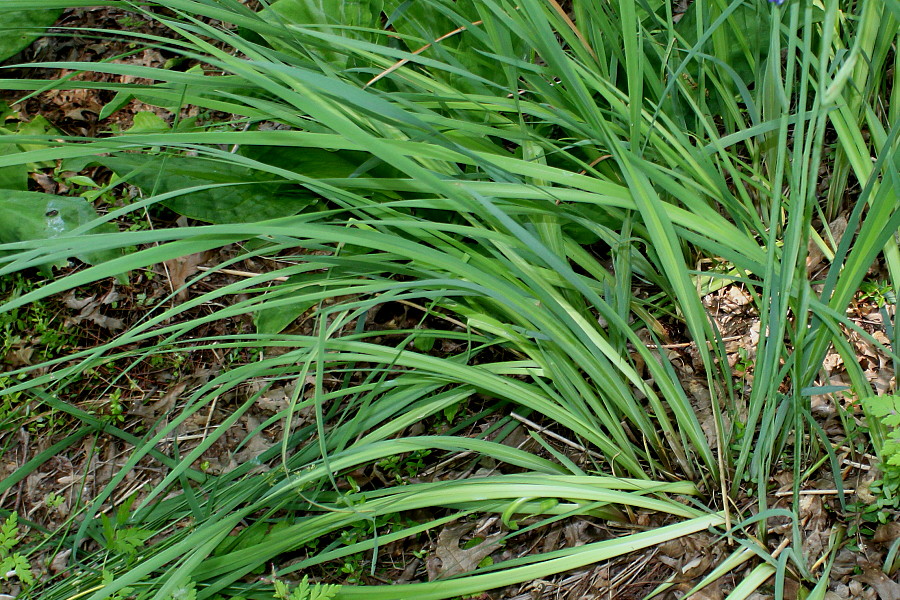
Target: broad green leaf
[(21, 27), (747, 30), (455, 41), (349, 13), (310, 162), (147, 122), (39, 125), (274, 317), (14, 177), (120, 100), (7, 113), (327, 16), (252, 195), (273, 320), (736, 46), (34, 216), (255, 195)]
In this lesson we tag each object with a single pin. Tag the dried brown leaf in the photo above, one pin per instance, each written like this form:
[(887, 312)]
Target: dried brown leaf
[(886, 588), (162, 405), (450, 559), (19, 357), (60, 562), (90, 311), (181, 268), (815, 255), (887, 533)]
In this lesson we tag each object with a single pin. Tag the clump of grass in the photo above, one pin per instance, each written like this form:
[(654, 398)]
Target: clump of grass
[(474, 158)]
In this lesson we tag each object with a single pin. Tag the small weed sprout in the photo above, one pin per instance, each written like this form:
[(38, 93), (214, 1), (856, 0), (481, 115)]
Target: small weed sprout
[(54, 500), (305, 591), (123, 594), (879, 292), (121, 539)]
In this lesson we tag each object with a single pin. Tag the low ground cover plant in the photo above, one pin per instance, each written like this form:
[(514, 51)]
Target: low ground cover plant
[(441, 278)]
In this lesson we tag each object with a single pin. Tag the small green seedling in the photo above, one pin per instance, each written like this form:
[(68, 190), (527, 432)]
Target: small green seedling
[(121, 539), (54, 500), (305, 591)]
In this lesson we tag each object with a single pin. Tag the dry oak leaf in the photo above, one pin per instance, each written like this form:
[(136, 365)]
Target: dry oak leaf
[(887, 533), (450, 559), (181, 268), (90, 310), (887, 588)]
